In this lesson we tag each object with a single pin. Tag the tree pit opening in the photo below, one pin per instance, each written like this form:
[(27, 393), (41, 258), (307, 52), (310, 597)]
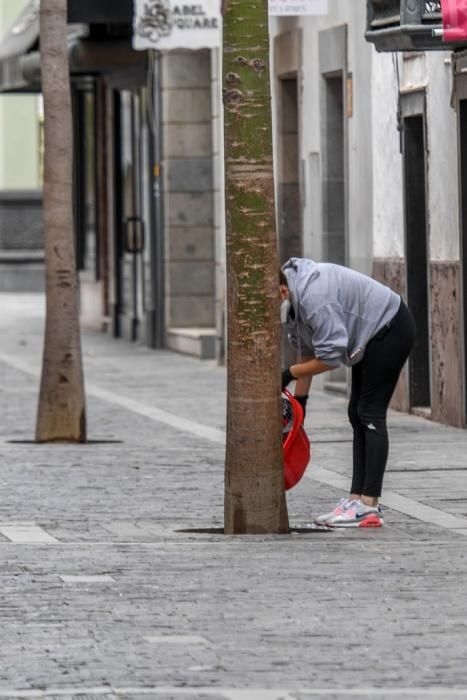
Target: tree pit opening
[(311, 528), (63, 442)]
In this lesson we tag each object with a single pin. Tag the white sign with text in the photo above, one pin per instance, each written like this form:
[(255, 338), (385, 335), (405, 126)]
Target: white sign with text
[(298, 7), (168, 24)]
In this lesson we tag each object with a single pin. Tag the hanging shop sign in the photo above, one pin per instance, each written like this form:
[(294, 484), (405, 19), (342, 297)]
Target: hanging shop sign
[(454, 20), (298, 7), (168, 24)]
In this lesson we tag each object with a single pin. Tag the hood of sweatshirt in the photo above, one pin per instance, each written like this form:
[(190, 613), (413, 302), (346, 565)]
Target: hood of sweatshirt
[(337, 311), (300, 273)]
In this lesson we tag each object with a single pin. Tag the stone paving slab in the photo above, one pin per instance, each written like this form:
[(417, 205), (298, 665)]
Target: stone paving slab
[(373, 614), (236, 694)]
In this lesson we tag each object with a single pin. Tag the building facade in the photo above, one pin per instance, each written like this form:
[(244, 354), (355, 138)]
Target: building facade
[(146, 206), (371, 173), (371, 168), (21, 255)]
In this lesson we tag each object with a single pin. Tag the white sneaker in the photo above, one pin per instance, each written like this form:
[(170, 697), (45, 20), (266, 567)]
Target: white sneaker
[(340, 508), (357, 514)]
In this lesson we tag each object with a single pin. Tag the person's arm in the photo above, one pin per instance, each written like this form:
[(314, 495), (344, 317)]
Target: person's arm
[(302, 389), (308, 369), (329, 339), (303, 373), (302, 386)]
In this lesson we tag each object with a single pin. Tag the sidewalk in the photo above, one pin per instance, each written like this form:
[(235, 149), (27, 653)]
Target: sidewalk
[(104, 597)]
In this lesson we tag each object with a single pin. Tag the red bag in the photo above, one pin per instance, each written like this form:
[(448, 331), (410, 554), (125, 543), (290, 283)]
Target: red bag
[(296, 444)]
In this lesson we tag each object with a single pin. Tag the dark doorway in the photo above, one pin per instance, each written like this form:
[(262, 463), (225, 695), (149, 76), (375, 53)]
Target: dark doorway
[(86, 180), (132, 224), (290, 218), (334, 205), (417, 258), (333, 190), (118, 306), (138, 312), (463, 209)]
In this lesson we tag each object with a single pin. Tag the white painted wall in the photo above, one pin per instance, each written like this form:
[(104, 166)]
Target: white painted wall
[(19, 124), (376, 218), (219, 201), (443, 190), (359, 127), (431, 72), (388, 217)]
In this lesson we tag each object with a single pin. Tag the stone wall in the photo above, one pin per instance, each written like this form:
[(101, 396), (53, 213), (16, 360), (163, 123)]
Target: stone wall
[(446, 345), (188, 188)]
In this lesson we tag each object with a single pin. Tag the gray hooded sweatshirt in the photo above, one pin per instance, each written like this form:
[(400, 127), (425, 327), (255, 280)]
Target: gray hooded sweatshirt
[(336, 311)]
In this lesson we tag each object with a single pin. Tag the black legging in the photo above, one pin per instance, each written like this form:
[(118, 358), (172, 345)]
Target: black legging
[(373, 382)]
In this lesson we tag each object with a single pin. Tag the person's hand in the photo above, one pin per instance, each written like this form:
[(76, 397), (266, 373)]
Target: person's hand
[(287, 377), (302, 401)]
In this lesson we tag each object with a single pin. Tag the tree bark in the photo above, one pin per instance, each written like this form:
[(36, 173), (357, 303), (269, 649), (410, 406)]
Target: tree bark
[(254, 475), (61, 412)]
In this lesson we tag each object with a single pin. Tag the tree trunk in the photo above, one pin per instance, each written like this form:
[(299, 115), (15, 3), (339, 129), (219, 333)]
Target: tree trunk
[(61, 413), (254, 484)]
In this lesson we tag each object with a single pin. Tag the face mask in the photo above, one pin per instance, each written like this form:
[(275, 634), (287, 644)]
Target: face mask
[(285, 310)]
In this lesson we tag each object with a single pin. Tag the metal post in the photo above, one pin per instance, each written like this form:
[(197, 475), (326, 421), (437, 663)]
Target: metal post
[(157, 229)]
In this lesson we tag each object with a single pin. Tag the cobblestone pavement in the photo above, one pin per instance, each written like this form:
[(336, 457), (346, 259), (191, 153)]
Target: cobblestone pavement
[(104, 596)]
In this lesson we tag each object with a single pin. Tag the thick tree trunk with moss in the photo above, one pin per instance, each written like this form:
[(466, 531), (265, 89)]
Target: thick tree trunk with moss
[(254, 485), (61, 412)]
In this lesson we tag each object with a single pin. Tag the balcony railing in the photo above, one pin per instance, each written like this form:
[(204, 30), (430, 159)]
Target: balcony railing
[(432, 10), (405, 25), (384, 13)]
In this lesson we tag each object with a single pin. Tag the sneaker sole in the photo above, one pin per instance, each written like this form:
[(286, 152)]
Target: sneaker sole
[(371, 521)]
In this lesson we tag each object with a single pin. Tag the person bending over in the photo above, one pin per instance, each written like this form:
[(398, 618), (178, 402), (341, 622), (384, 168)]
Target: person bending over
[(334, 315)]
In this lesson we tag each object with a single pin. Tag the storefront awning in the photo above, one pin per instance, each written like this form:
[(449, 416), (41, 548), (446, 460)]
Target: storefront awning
[(100, 11), (18, 42), (19, 49)]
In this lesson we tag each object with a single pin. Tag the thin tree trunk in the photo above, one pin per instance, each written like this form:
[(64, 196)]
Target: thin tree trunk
[(61, 413), (254, 484)]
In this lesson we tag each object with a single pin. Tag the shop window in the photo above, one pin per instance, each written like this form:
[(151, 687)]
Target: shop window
[(86, 207)]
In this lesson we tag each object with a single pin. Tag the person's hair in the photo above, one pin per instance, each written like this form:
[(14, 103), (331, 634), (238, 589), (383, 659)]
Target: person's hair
[(282, 278)]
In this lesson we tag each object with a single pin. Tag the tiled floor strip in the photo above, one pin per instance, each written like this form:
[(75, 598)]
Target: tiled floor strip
[(26, 534), (439, 693)]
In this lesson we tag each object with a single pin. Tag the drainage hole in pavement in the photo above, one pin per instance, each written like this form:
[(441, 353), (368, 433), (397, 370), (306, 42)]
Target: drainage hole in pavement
[(64, 442), (300, 529)]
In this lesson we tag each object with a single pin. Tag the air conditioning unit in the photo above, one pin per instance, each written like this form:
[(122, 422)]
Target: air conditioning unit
[(406, 25)]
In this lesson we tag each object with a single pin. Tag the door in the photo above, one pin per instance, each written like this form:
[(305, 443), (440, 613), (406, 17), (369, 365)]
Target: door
[(85, 180), (334, 192), (417, 256), (463, 228), (289, 205), (130, 220), (334, 197)]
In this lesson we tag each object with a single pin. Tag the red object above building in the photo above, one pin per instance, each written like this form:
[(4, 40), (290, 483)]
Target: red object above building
[(454, 20)]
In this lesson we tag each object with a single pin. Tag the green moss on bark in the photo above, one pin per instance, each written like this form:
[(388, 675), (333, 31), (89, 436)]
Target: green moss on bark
[(254, 494)]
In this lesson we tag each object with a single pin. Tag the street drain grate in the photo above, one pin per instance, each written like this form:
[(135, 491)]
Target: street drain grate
[(64, 442), (299, 528)]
